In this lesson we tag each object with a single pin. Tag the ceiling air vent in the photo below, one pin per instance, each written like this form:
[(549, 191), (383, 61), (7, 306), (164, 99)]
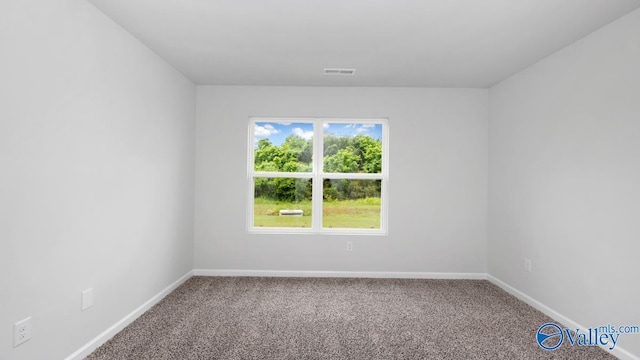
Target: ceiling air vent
[(339, 71)]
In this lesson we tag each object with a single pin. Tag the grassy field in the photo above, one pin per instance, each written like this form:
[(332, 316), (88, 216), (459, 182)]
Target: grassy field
[(354, 214)]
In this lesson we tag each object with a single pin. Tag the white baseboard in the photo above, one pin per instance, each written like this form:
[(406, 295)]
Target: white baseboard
[(618, 351), (340, 274), (96, 342)]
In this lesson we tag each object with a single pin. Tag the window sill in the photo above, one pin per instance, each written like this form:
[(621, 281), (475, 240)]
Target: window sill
[(306, 231)]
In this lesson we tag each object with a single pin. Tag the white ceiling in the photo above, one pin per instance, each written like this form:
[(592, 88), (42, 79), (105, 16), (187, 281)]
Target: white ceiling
[(427, 43)]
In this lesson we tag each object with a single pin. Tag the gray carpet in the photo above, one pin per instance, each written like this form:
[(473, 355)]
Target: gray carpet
[(307, 318)]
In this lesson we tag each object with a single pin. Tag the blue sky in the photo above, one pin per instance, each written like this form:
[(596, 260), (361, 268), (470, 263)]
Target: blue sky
[(276, 132)]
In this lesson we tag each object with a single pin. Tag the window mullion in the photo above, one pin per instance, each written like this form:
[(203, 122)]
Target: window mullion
[(316, 220), (352, 176)]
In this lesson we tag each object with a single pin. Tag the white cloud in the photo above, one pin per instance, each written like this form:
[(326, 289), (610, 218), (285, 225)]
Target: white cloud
[(303, 134), (325, 125), (365, 128), (264, 131)]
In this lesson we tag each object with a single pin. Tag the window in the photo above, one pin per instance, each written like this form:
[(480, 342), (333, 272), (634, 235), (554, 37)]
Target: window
[(318, 175)]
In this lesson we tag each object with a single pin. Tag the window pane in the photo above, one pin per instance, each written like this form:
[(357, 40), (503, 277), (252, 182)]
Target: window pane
[(352, 148), (283, 147), (282, 203), (351, 204)]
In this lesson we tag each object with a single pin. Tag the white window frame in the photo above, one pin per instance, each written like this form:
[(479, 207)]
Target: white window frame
[(317, 175)]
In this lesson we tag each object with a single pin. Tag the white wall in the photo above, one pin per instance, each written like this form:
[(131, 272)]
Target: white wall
[(96, 174), (437, 188), (564, 180)]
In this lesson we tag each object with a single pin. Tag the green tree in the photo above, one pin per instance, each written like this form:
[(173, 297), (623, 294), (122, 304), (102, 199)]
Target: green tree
[(294, 155), (344, 161), (267, 156), (343, 154), (370, 152), (332, 144)]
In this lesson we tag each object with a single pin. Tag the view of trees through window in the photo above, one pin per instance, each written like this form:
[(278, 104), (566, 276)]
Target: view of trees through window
[(284, 173)]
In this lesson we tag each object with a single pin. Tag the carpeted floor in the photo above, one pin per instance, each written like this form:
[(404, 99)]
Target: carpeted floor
[(309, 318)]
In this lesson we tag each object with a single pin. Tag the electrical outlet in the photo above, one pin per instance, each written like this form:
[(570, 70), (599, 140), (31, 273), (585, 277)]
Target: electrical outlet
[(87, 299), (21, 331), (349, 245), (527, 265)]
